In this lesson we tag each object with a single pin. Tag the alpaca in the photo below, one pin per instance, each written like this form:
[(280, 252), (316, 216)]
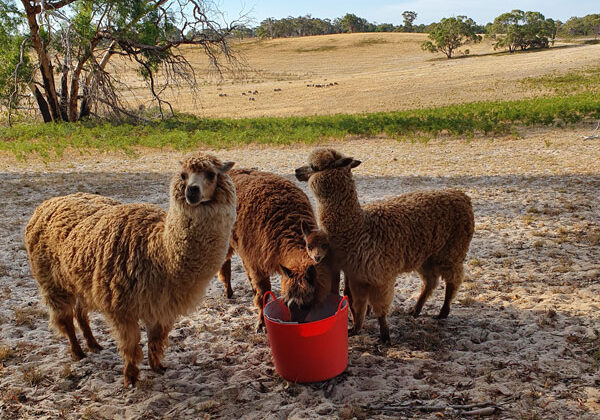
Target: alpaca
[(132, 262), (316, 242), (427, 232), (267, 236)]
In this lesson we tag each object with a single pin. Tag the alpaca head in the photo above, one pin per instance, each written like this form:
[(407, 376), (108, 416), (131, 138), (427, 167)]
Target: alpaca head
[(324, 170), (199, 178), (298, 287), (316, 242)]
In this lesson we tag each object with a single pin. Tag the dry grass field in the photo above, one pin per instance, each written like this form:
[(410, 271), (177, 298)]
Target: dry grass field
[(522, 340), (369, 72)]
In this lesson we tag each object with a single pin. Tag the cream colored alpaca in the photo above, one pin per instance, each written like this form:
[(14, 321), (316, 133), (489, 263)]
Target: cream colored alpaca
[(133, 262)]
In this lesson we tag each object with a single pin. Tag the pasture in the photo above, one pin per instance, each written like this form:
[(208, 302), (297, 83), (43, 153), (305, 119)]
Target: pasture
[(523, 337), (362, 73)]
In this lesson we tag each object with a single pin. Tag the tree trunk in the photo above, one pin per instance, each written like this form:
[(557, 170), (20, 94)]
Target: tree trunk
[(42, 104), (64, 92), (45, 64)]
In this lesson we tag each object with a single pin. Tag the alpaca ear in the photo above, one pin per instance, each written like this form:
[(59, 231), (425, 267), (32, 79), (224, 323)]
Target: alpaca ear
[(226, 167), (355, 163), (285, 271), (303, 229), (311, 275), (340, 163)]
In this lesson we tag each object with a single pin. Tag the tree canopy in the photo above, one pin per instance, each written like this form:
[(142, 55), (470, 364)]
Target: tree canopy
[(59, 50), (450, 34), (522, 30)]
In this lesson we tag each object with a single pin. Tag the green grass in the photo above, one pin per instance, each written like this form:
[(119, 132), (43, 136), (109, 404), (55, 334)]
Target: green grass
[(587, 80), (186, 132)]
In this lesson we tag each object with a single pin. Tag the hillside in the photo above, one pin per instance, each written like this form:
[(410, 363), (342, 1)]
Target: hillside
[(360, 73)]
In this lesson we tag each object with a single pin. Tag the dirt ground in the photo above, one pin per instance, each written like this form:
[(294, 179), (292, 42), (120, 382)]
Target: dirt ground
[(521, 341)]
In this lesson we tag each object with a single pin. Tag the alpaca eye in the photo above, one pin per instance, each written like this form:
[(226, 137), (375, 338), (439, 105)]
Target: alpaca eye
[(210, 176), (183, 176), (310, 248)]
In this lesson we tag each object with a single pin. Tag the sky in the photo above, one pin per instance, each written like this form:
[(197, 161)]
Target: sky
[(387, 11)]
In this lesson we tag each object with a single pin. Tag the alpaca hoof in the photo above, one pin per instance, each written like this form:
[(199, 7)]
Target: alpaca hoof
[(160, 368), (130, 375), (352, 332), (229, 294), (95, 347), (440, 316), (414, 312), (129, 381), (384, 337), (77, 355), (260, 327)]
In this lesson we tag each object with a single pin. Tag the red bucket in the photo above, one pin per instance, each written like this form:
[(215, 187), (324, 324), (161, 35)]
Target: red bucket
[(311, 351)]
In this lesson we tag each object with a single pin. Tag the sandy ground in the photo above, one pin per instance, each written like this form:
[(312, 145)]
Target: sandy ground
[(522, 335), (353, 73)]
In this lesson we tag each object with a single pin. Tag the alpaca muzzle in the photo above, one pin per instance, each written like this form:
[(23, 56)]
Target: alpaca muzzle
[(192, 195), (303, 173)]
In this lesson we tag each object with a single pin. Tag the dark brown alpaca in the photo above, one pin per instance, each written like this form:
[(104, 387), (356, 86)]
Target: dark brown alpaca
[(268, 237)]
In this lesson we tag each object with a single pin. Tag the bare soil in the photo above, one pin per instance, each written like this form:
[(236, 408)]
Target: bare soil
[(522, 338)]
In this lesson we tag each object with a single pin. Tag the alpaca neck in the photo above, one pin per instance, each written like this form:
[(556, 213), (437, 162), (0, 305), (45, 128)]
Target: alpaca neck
[(184, 246), (340, 211)]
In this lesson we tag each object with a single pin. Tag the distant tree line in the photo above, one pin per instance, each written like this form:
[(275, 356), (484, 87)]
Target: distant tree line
[(581, 26), (528, 22), (308, 25)]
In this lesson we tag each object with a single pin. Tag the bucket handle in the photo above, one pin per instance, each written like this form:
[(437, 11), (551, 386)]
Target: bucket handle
[(341, 304), (266, 295)]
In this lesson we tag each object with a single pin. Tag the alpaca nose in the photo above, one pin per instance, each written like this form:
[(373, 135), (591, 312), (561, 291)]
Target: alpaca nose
[(192, 194), (317, 258)]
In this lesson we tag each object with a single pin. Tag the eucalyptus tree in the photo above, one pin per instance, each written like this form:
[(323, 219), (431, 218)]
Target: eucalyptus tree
[(65, 46)]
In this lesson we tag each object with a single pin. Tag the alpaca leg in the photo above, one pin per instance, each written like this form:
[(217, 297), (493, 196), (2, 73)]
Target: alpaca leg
[(60, 305), (84, 326), (453, 278), (359, 305), (430, 279), (225, 277), (381, 299), (128, 333), (63, 320), (261, 284), (335, 282), (158, 339)]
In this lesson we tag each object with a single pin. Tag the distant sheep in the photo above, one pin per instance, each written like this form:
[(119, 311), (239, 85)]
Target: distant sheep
[(133, 262), (267, 236), (427, 232)]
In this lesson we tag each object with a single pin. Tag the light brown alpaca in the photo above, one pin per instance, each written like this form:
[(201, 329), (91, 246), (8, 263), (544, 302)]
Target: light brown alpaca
[(132, 262), (267, 236), (427, 232)]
